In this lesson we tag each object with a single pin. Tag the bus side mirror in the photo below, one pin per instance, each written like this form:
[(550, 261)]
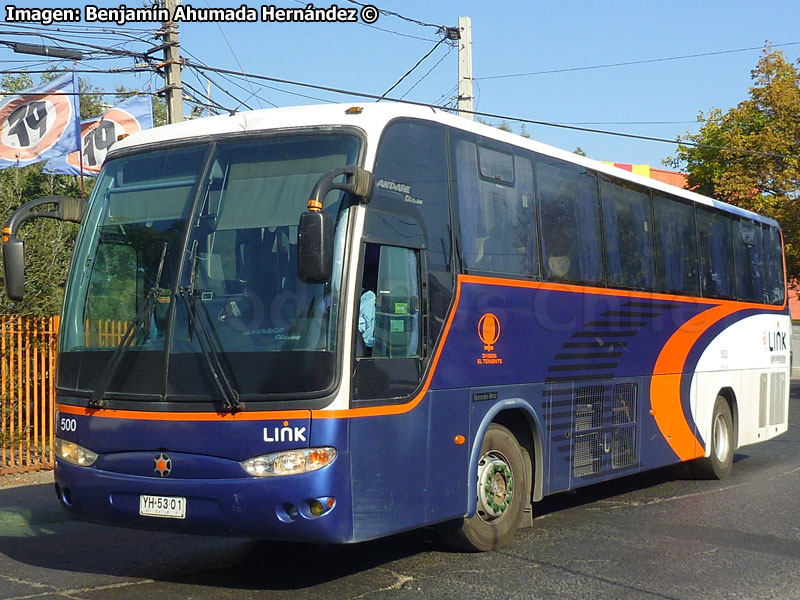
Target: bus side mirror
[(315, 232), (65, 209), (14, 268), (315, 247)]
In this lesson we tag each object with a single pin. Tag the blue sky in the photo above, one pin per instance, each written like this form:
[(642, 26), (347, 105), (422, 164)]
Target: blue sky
[(508, 38)]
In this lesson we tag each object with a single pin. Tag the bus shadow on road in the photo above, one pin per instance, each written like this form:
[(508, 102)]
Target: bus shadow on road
[(679, 474), (35, 533)]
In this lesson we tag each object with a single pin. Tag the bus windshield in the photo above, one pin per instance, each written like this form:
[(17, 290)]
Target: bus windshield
[(201, 243)]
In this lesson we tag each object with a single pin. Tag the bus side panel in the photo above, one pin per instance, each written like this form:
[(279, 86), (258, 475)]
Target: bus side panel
[(748, 353), (388, 464), (448, 460)]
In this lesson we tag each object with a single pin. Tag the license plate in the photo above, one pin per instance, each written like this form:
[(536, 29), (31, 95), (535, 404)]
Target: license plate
[(169, 507)]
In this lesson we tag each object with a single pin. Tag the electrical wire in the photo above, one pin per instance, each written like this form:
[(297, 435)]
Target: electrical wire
[(505, 117), (228, 79), (411, 70), (438, 62), (634, 62), (405, 35), (241, 102), (236, 58), (390, 13), (100, 49)]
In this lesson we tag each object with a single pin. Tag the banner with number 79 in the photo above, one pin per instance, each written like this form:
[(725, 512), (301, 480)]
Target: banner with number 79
[(100, 133), (40, 123)]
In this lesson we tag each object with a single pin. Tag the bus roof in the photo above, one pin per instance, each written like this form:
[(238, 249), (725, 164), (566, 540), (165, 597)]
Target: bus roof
[(373, 118)]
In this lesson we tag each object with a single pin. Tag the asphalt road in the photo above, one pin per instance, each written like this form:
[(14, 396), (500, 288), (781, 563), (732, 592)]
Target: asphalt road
[(656, 535)]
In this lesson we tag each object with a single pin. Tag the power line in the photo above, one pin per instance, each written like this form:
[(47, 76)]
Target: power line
[(399, 16), (92, 93), (199, 74), (405, 35), (210, 101), (236, 58), (100, 49), (85, 28), (634, 62), (223, 90), (438, 62), (419, 62), (506, 117)]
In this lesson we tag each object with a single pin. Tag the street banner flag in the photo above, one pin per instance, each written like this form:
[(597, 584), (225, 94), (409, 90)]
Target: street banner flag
[(99, 133), (40, 123)]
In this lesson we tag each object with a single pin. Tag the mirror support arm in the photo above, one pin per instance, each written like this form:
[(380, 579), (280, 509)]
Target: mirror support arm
[(66, 209)]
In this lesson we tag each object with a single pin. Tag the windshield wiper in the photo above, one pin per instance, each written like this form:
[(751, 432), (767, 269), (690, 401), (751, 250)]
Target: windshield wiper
[(230, 396), (142, 317)]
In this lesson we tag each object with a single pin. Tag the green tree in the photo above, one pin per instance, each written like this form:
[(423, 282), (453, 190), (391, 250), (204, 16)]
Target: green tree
[(765, 178)]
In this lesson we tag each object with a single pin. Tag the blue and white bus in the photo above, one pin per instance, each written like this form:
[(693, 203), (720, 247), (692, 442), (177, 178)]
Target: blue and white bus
[(458, 323)]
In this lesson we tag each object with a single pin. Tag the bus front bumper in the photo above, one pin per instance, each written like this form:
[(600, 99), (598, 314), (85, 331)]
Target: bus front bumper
[(277, 508)]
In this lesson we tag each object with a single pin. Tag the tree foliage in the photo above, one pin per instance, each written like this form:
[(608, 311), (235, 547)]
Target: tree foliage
[(765, 178), (49, 243)]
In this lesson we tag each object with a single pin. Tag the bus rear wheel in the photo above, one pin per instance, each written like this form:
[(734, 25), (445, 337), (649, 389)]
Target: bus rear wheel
[(720, 460), (501, 495)]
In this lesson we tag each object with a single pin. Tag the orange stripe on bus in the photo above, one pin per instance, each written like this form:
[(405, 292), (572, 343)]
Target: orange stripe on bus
[(600, 291), (665, 388), (108, 413)]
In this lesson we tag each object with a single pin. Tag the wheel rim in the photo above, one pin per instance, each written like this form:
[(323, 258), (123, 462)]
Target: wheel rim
[(495, 486), (721, 440)]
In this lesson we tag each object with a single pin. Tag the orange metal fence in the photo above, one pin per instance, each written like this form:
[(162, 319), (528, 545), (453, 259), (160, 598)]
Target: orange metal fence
[(27, 392)]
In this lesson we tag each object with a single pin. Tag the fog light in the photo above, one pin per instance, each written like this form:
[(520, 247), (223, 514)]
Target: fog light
[(316, 508)]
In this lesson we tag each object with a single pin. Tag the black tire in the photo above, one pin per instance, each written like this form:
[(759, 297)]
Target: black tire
[(720, 461), (501, 467)]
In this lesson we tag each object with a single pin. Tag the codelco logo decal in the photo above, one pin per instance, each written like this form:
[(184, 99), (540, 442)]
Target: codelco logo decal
[(489, 333)]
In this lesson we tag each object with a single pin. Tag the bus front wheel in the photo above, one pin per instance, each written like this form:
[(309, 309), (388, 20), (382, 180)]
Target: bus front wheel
[(501, 495), (720, 460)]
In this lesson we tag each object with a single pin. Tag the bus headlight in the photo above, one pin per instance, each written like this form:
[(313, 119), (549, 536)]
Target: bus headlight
[(289, 462), (73, 453)]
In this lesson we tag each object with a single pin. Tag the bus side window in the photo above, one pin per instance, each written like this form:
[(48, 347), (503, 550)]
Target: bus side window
[(397, 305), (628, 229), (570, 222), (497, 216), (388, 349), (676, 245), (717, 274), (773, 259), (747, 245)]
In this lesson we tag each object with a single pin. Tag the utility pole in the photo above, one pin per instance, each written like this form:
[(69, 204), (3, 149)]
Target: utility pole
[(172, 64), (465, 68)]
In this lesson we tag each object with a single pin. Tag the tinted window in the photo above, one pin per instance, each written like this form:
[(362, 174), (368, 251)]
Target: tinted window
[(388, 339), (570, 222), (747, 245), (628, 229), (715, 238), (676, 245), (498, 220), (411, 178), (496, 166), (411, 183), (773, 258)]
